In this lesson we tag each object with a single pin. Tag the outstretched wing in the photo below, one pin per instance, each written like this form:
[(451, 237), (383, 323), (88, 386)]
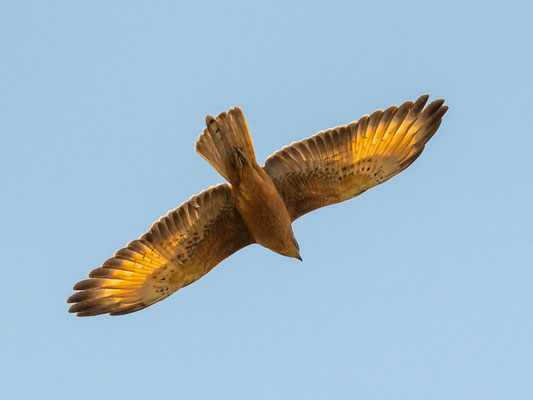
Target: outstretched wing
[(341, 163), (178, 249)]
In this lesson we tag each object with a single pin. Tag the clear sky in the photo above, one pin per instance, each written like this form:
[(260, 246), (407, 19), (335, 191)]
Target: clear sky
[(419, 289)]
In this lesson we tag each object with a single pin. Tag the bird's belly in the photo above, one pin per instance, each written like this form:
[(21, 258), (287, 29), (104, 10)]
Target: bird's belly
[(263, 212)]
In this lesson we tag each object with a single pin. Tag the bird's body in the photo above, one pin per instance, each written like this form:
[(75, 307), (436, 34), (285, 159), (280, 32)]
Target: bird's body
[(226, 144), (264, 212), (259, 204)]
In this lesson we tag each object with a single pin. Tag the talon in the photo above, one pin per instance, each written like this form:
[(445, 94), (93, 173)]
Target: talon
[(239, 151), (239, 154)]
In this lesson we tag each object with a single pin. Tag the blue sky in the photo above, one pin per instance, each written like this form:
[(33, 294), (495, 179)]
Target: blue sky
[(418, 289)]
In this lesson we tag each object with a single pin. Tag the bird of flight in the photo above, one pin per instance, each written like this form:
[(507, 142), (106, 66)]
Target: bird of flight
[(259, 204)]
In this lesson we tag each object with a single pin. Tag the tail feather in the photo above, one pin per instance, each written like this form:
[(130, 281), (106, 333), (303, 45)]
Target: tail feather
[(226, 143)]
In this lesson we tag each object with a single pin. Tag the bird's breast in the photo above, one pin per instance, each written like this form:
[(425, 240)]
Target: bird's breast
[(262, 208)]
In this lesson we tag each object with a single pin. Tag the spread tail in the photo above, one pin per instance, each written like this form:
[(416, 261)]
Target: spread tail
[(226, 143)]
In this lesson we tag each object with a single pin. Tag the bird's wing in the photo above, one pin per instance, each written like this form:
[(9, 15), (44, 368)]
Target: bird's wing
[(343, 162), (178, 249)]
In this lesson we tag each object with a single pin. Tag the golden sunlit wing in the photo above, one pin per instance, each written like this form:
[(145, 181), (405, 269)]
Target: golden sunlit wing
[(178, 249), (343, 162)]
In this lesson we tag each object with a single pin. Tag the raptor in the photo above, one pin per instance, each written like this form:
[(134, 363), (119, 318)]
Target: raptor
[(258, 204)]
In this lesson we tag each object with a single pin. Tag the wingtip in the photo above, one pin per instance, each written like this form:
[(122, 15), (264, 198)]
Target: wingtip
[(422, 100), (425, 97), (74, 308)]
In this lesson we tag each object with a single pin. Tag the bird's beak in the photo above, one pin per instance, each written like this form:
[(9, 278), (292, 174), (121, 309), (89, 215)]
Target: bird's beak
[(297, 248)]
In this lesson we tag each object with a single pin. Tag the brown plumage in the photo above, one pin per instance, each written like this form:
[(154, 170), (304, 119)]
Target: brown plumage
[(260, 203)]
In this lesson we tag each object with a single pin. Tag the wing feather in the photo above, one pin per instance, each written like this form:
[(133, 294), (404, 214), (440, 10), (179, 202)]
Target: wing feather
[(178, 249), (343, 162)]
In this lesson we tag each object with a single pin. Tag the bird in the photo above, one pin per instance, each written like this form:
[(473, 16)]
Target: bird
[(258, 204)]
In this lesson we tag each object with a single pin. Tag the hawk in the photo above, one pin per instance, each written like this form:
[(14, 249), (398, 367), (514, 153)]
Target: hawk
[(260, 202)]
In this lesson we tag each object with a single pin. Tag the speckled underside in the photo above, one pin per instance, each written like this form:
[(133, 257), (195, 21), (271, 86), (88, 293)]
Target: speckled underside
[(179, 249), (343, 162)]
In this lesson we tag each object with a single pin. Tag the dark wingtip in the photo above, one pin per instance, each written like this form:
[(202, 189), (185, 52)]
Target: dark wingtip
[(78, 297), (74, 308)]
